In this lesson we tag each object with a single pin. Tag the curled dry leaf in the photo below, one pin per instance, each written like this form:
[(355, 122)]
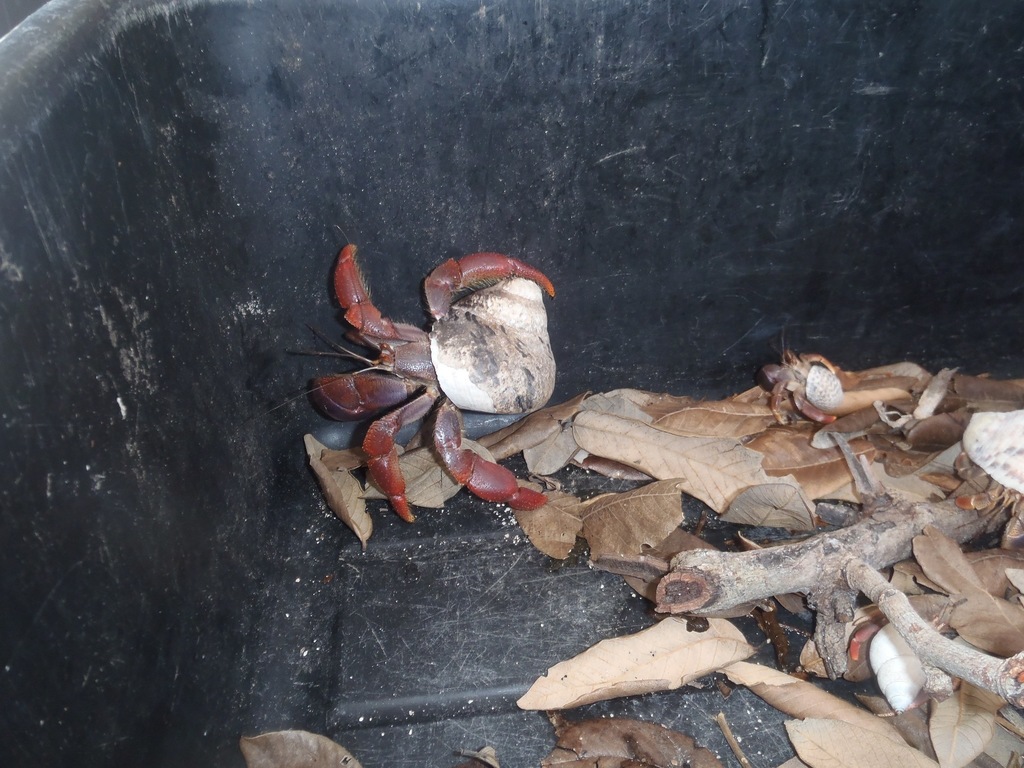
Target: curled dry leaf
[(660, 658), (836, 744), (934, 393), (937, 433), (624, 743), (341, 490), (294, 749), (713, 470), (962, 726), (801, 699), (482, 758), (781, 505), (553, 528), (626, 523)]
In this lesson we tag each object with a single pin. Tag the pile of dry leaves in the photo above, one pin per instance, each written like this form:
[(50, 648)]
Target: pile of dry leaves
[(879, 501)]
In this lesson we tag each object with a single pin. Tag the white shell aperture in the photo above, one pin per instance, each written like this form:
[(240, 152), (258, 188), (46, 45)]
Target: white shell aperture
[(898, 670), (995, 442), (491, 352), (823, 388)]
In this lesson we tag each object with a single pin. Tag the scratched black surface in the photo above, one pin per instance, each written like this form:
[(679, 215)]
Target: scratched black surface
[(175, 179)]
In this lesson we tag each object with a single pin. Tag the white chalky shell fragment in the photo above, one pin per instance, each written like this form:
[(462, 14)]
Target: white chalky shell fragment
[(897, 669), (823, 389), (995, 442)]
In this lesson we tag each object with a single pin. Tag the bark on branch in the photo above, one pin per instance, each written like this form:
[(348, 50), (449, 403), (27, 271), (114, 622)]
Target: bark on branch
[(831, 569)]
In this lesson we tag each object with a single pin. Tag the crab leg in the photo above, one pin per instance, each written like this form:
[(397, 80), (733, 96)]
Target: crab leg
[(382, 456), (489, 481), (360, 312), (472, 271), (352, 396)]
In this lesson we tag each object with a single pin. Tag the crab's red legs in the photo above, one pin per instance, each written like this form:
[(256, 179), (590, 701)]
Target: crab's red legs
[(472, 271), (489, 481), (382, 456), (360, 311)]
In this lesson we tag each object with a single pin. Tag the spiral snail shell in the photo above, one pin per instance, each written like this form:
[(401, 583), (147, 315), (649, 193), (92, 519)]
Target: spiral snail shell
[(897, 668)]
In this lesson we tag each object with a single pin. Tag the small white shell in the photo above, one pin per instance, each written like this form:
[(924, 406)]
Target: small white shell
[(823, 389), (995, 442), (898, 671), (491, 352)]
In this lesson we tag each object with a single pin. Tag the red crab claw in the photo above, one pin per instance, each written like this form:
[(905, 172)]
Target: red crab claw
[(353, 396), (382, 456), (472, 271), (489, 481), (360, 311)]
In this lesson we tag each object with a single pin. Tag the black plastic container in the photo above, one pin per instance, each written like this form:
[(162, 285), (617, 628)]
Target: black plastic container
[(698, 179)]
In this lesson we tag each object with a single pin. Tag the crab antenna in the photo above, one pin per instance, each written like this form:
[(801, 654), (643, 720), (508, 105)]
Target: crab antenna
[(339, 350)]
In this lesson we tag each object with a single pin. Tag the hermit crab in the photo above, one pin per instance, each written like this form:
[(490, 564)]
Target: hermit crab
[(487, 350), (994, 443), (810, 381)]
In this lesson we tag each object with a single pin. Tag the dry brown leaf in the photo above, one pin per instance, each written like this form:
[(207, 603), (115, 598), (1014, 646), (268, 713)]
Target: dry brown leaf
[(622, 742), (781, 505), (720, 418), (552, 453), (992, 567), (294, 749), (660, 658), (821, 472), (911, 724), (625, 523), (836, 744), (714, 469), (937, 433), (911, 486), (962, 726), (487, 757), (346, 458), (341, 490), (986, 622), (984, 394), (553, 528), (799, 698), (531, 429), (1008, 740), (625, 403)]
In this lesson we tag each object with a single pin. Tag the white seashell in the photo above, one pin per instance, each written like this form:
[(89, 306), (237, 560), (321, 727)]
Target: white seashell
[(995, 442), (491, 352), (823, 389), (899, 672)]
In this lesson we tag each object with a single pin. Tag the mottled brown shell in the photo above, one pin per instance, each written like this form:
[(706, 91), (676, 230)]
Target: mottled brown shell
[(823, 389), (995, 442), (491, 352)]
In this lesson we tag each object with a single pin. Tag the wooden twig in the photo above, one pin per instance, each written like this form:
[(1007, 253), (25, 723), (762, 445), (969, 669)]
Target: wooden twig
[(733, 742), (1002, 676), (705, 582)]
